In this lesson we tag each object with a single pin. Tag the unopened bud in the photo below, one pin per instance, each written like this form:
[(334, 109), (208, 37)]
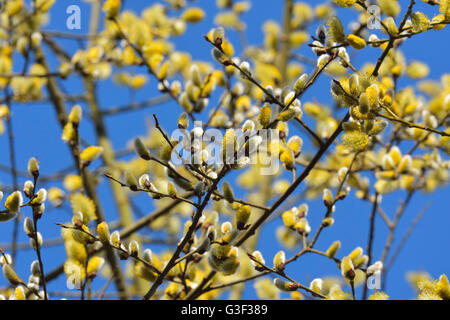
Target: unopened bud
[(183, 121), (76, 113), (133, 248), (11, 275), (242, 216), (284, 285), (28, 188), (200, 188), (33, 167), (131, 180), (257, 255), (147, 255), (77, 219), (141, 149), (374, 268), (218, 36), (28, 226), (333, 249), (227, 192), (245, 69), (35, 269), (328, 222), (279, 260), (115, 238), (39, 241), (316, 285), (327, 197), (204, 245), (300, 83)]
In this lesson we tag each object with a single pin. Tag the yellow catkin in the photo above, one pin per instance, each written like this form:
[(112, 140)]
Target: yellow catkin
[(379, 295), (14, 201), (265, 115), (242, 216), (69, 134), (19, 293), (94, 265), (91, 153), (287, 158), (13, 7), (229, 145), (355, 140), (443, 287), (417, 70), (44, 5), (103, 232), (72, 182), (356, 42), (83, 204), (193, 15), (288, 219), (345, 3), (111, 8), (420, 21)]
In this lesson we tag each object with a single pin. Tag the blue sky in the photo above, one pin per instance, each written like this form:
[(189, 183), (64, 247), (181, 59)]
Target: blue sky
[(37, 133)]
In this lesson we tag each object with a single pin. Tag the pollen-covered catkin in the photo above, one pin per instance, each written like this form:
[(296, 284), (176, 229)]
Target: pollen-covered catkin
[(242, 216), (356, 42), (443, 287), (103, 232), (345, 3), (14, 201), (265, 115), (111, 8)]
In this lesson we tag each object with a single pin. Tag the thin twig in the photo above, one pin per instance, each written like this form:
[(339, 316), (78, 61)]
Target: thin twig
[(187, 236), (371, 237)]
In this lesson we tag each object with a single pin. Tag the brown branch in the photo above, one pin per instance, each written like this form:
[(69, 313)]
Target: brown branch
[(58, 103), (404, 239), (296, 183), (285, 44), (135, 106), (251, 231), (392, 39), (371, 237), (187, 237)]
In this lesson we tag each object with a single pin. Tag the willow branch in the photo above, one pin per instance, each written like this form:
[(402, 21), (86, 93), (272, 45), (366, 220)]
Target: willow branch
[(187, 236)]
